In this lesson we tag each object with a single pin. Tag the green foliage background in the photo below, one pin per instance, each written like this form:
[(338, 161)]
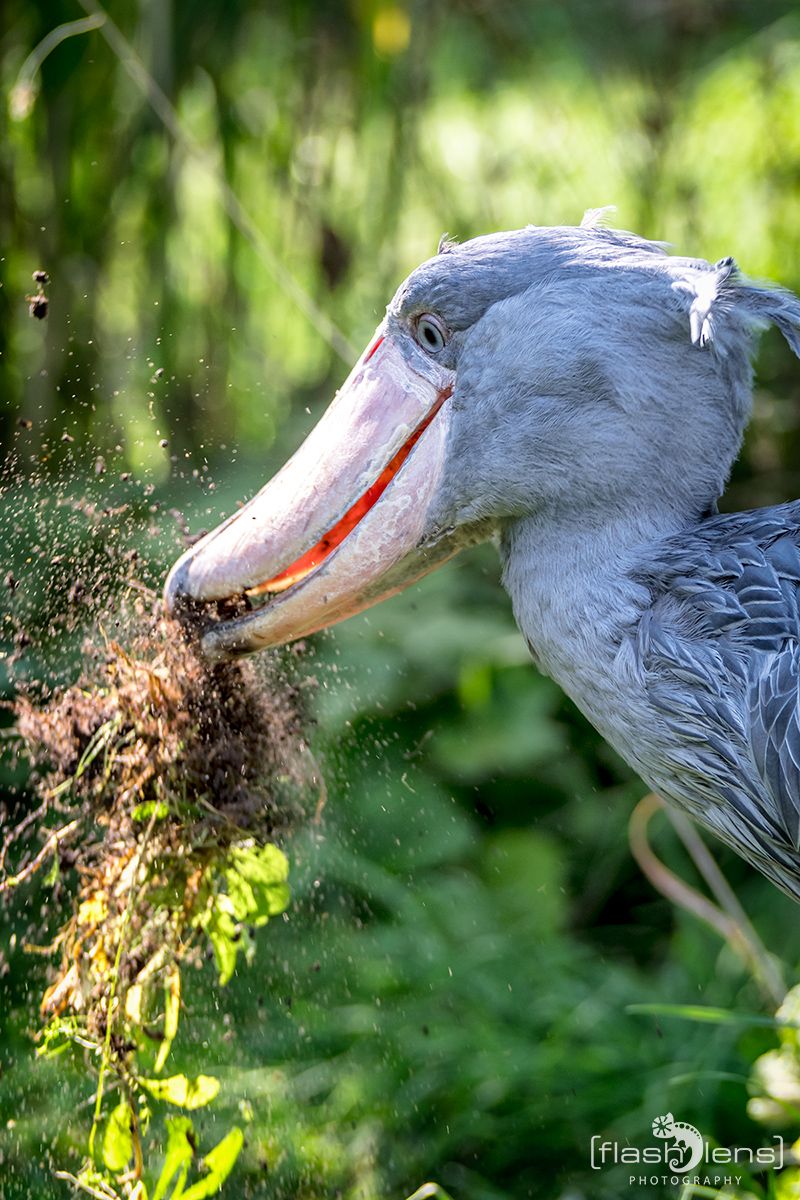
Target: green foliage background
[(449, 995)]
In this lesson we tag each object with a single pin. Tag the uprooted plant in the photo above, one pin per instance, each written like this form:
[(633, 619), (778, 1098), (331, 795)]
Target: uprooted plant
[(161, 785)]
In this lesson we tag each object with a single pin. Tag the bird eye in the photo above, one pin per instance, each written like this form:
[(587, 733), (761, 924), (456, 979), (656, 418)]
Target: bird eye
[(430, 333)]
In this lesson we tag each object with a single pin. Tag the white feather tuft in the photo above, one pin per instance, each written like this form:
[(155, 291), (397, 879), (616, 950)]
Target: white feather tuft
[(597, 218)]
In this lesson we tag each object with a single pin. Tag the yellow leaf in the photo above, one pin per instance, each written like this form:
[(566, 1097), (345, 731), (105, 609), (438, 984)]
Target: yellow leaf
[(99, 959), (118, 1140), (182, 1091), (133, 1003), (94, 910)]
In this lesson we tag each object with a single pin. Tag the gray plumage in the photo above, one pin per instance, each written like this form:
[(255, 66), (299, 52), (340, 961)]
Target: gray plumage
[(603, 387), (594, 397), (718, 646)]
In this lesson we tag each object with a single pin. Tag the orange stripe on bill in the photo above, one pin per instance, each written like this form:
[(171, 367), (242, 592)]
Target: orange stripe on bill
[(345, 522)]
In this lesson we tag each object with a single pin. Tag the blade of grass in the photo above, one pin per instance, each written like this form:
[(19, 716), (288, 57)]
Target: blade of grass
[(708, 1015)]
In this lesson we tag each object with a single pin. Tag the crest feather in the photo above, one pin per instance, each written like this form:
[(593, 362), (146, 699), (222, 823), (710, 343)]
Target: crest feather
[(723, 289), (597, 218)]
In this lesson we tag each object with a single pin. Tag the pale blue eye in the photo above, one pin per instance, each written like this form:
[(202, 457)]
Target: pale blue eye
[(431, 333)]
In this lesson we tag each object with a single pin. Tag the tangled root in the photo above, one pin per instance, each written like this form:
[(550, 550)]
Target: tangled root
[(161, 785)]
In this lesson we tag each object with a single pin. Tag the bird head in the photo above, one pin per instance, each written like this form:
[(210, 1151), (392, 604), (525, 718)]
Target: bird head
[(545, 370)]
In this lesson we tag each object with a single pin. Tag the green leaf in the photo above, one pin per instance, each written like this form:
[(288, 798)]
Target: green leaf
[(172, 1014), (182, 1091), (224, 935), (178, 1156), (242, 896), (255, 878), (151, 808), (54, 874), (219, 1162), (256, 881), (118, 1139), (265, 865), (271, 901), (699, 1012)]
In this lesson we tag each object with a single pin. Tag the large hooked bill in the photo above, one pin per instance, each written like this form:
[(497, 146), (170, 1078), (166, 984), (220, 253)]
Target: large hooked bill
[(344, 524)]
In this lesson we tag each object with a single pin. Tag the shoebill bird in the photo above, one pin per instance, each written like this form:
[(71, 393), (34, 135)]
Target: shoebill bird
[(577, 395)]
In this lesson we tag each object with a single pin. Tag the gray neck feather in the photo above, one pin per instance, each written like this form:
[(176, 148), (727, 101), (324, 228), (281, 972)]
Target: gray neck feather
[(574, 601)]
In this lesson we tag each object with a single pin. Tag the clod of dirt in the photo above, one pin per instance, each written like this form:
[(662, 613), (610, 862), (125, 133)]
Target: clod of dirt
[(38, 307), (174, 730), (150, 774)]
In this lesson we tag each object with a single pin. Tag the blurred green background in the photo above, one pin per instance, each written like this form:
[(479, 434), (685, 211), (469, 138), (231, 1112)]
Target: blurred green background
[(449, 997)]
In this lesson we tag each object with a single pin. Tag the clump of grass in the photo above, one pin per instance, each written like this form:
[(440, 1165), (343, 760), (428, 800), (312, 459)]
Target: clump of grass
[(161, 784)]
